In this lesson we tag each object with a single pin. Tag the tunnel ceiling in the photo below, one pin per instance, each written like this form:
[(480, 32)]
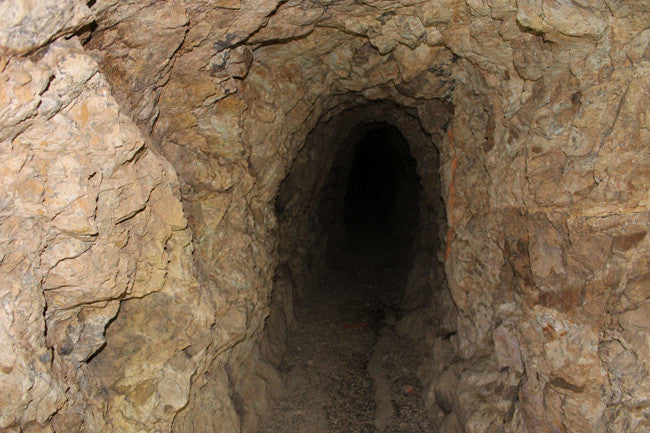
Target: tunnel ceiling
[(144, 144)]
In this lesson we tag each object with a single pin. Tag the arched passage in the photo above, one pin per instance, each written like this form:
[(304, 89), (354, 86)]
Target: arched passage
[(350, 217), (382, 192)]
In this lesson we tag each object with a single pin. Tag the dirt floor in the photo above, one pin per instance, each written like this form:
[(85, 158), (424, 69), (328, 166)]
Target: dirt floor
[(346, 369)]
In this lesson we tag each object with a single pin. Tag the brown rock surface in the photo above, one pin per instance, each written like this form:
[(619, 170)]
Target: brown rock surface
[(147, 280)]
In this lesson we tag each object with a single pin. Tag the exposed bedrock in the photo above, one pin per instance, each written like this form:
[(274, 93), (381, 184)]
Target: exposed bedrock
[(173, 173)]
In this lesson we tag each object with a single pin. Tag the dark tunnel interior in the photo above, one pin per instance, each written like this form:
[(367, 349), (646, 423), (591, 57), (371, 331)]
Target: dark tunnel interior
[(356, 245), (381, 198), (373, 226)]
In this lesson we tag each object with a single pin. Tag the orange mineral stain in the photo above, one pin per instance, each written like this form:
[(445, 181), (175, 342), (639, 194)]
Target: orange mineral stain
[(452, 199)]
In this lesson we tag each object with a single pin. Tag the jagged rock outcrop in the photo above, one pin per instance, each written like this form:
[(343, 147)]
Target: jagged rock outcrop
[(143, 145)]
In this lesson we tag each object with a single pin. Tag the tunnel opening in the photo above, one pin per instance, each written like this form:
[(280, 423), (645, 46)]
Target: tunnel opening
[(381, 199), (350, 215), (375, 217)]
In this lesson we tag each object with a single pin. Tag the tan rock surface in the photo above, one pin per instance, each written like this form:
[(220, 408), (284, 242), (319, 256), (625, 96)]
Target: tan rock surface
[(142, 149)]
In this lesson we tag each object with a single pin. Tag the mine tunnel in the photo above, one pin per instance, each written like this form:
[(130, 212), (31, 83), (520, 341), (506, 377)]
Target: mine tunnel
[(241, 216), (356, 203), (382, 191)]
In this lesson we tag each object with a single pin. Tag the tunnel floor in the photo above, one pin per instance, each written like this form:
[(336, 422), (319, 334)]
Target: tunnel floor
[(346, 369)]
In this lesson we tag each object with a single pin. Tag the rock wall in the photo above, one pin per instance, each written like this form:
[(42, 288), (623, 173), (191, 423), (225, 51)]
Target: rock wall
[(93, 232), (143, 145)]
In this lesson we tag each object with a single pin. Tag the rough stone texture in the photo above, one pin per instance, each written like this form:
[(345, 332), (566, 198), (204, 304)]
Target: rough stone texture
[(119, 316), (92, 226)]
